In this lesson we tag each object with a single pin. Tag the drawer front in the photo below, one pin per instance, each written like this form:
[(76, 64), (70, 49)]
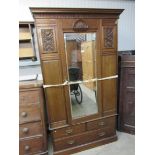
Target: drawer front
[(31, 146), (102, 123), (104, 133), (59, 133), (80, 139), (29, 113), (30, 129), (29, 97)]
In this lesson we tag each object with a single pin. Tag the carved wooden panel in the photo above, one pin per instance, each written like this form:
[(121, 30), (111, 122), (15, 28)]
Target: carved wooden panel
[(80, 25), (108, 37), (48, 40)]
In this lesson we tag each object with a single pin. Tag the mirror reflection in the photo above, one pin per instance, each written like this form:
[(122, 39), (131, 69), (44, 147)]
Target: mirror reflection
[(81, 61)]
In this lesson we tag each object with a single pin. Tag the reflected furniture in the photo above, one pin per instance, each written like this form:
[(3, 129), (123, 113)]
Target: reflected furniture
[(84, 38), (126, 102), (88, 62), (32, 130)]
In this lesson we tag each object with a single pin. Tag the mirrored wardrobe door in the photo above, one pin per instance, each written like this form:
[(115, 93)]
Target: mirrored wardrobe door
[(80, 51)]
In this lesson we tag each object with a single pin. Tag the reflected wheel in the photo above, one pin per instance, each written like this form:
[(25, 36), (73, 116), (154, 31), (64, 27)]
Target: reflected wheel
[(78, 95)]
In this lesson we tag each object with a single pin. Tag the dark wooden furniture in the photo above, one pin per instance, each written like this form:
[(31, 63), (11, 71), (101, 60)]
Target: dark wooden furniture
[(126, 102), (26, 41), (32, 130), (70, 134)]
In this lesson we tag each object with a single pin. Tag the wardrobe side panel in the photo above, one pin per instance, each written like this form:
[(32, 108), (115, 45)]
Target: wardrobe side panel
[(109, 65), (52, 70)]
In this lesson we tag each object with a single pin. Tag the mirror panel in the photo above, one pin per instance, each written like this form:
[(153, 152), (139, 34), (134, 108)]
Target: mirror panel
[(81, 65)]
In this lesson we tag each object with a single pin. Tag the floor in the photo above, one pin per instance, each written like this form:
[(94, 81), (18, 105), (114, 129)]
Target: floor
[(125, 145)]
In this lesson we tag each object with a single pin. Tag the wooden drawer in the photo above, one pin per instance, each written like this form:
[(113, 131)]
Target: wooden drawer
[(102, 123), (63, 132), (29, 97), (29, 113), (83, 138), (30, 129), (31, 146)]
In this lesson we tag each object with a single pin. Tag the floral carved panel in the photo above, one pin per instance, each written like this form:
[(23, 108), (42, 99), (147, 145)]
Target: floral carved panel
[(80, 25), (108, 37), (48, 40)]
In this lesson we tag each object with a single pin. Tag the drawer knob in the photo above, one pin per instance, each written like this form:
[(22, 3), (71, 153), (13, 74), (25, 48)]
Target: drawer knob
[(69, 131), (101, 123), (101, 134), (24, 114), (25, 130), (27, 148), (71, 142)]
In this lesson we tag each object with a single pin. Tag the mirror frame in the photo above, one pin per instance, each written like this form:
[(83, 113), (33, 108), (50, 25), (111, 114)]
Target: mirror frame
[(69, 29)]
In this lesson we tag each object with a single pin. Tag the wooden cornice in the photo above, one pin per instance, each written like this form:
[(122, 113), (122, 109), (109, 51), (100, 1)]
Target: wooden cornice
[(75, 11)]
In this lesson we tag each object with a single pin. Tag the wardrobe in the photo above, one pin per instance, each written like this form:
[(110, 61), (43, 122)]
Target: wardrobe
[(78, 53)]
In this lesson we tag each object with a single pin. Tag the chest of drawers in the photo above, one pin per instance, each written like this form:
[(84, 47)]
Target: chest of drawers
[(32, 130), (126, 103)]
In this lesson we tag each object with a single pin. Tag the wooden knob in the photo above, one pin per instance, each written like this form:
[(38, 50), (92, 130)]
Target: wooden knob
[(101, 134), (25, 130), (101, 123), (24, 114), (71, 142), (27, 148), (69, 131)]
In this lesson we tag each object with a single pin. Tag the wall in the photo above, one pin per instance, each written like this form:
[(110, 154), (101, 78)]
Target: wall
[(126, 23)]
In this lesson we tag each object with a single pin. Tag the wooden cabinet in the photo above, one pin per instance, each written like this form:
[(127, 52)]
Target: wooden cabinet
[(126, 105), (83, 41), (32, 131), (26, 41)]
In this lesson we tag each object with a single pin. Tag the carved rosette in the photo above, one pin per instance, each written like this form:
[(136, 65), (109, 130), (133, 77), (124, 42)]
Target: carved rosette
[(80, 26), (108, 37), (48, 40)]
